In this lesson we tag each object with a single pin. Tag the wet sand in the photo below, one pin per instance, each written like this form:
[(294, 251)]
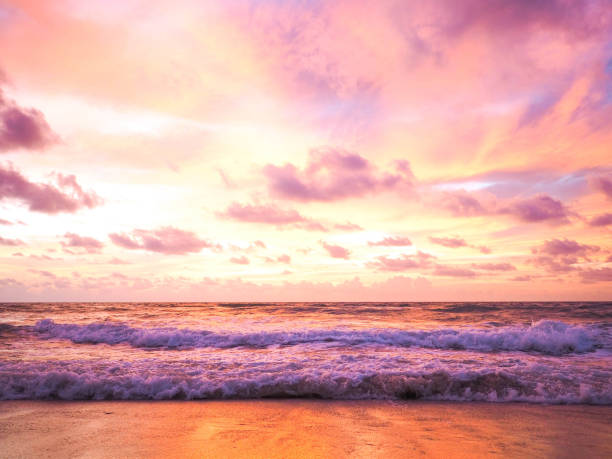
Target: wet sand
[(301, 428)]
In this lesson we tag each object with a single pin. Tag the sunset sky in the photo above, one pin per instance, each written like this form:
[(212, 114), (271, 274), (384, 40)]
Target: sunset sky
[(305, 150)]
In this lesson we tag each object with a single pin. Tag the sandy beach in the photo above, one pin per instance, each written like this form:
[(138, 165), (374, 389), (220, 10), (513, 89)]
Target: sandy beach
[(301, 428)]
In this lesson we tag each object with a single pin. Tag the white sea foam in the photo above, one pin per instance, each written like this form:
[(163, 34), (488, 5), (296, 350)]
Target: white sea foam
[(130, 381), (545, 337)]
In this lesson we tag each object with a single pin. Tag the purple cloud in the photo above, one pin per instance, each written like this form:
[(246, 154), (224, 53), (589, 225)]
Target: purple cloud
[(537, 208), (579, 19), (603, 184), (451, 242), (166, 240), (565, 247), (524, 278), (392, 241), (596, 275), (462, 204), (336, 251), (67, 196), (601, 220), (562, 255), (22, 127), (90, 244), (333, 174)]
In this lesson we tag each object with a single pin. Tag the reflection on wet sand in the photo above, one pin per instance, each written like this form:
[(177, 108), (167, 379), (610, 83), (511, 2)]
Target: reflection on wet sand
[(301, 428)]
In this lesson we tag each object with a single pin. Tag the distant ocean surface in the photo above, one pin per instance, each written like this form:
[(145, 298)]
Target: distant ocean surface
[(496, 352)]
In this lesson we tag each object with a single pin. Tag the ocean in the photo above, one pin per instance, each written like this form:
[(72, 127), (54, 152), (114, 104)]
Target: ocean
[(550, 353)]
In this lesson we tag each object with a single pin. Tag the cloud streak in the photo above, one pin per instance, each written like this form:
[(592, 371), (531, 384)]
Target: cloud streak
[(166, 240), (391, 241), (270, 214), (403, 262), (89, 244)]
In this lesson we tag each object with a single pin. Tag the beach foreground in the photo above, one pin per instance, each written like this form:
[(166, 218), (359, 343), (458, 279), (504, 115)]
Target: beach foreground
[(301, 428)]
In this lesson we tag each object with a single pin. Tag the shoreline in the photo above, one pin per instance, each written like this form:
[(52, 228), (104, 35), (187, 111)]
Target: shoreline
[(301, 428)]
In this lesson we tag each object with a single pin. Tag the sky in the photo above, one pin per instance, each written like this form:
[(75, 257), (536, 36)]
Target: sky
[(261, 150)]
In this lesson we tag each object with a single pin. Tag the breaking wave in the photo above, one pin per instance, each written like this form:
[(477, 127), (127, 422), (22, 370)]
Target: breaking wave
[(545, 337), (30, 381)]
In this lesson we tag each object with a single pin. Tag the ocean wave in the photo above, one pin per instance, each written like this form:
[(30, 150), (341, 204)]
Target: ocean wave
[(545, 337), (30, 382)]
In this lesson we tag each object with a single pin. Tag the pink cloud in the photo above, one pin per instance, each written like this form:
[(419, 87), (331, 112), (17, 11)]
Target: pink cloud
[(270, 214), (524, 278), (259, 244), (90, 244), (348, 226), (267, 213), (44, 257), (43, 273), (601, 220), (483, 248), (284, 258), (333, 174), (336, 251), (166, 240), (562, 255), (494, 266), (242, 260), (392, 241), (462, 204), (22, 127), (556, 265), (5, 222), (404, 262), (311, 225), (596, 275), (10, 242), (67, 196), (451, 242), (452, 271), (117, 261)]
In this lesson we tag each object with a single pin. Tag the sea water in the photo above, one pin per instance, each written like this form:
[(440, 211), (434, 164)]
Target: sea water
[(497, 352)]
